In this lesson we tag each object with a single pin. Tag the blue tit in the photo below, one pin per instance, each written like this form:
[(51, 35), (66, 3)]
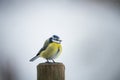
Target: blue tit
[(51, 49)]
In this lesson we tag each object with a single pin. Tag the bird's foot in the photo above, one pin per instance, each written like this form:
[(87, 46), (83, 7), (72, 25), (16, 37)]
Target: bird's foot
[(47, 62)]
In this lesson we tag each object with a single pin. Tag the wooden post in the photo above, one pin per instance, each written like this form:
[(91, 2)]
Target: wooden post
[(51, 71)]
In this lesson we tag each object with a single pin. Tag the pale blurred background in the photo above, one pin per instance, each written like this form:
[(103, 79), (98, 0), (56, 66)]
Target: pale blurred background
[(90, 31)]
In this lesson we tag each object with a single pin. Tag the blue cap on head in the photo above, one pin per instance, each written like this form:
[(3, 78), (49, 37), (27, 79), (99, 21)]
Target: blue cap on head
[(55, 36)]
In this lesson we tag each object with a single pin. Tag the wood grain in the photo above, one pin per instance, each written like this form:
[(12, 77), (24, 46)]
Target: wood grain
[(51, 71)]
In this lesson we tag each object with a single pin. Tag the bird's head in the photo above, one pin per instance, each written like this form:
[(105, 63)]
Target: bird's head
[(56, 39)]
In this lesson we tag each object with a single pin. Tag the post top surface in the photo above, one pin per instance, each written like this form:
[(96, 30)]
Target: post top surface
[(56, 63)]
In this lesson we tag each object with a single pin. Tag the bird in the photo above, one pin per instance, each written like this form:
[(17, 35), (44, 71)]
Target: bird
[(51, 49)]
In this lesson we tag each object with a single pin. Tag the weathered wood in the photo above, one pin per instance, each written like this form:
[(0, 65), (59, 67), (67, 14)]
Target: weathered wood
[(51, 71)]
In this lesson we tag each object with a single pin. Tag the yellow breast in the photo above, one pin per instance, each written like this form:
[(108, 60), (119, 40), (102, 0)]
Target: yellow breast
[(53, 50)]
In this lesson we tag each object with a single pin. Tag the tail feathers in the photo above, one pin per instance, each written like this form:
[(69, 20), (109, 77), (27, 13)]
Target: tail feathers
[(34, 58)]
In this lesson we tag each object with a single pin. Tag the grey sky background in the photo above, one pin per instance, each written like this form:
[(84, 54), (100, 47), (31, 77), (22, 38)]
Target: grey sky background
[(90, 31)]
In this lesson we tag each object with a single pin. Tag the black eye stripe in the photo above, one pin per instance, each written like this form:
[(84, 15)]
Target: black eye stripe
[(55, 38)]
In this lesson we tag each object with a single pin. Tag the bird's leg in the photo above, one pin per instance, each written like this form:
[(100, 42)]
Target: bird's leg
[(47, 61), (53, 61)]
